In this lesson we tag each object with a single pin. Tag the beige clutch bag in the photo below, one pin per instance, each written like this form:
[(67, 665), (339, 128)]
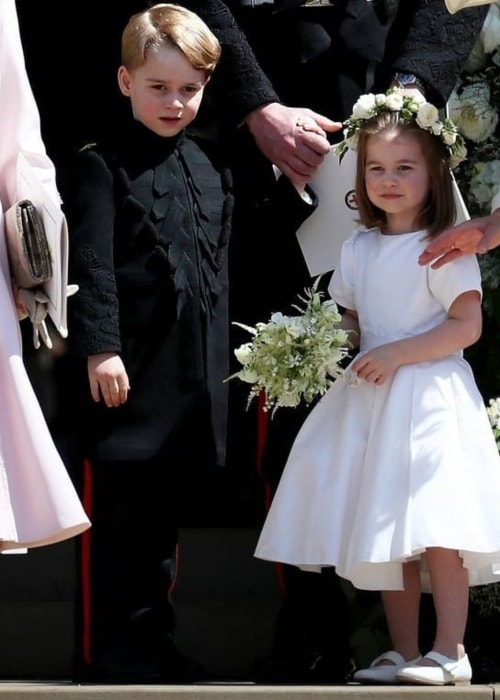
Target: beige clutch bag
[(28, 250)]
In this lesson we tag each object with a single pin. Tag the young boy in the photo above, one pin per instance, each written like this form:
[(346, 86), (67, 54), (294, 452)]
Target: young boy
[(149, 214)]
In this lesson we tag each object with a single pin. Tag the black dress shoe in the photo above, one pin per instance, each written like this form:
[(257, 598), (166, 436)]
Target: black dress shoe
[(115, 674), (177, 667), (167, 665), (307, 668)]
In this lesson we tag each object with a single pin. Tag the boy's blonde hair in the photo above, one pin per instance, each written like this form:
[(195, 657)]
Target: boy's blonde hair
[(168, 24)]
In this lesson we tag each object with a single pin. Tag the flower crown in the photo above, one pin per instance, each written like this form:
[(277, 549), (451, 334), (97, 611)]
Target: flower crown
[(411, 108)]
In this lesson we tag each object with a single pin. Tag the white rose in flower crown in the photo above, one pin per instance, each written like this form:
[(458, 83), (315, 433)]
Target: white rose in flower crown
[(380, 99), (394, 101), (427, 115), (472, 113), (490, 32), (364, 108), (458, 154), (448, 135), (437, 128)]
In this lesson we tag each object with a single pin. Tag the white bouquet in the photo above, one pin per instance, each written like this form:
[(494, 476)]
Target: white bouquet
[(294, 358)]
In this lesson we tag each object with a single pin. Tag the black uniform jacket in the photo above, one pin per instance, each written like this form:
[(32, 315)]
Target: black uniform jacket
[(149, 221)]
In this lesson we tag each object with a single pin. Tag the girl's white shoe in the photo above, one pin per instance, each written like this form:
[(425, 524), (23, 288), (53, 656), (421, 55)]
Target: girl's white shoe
[(448, 672), (384, 674)]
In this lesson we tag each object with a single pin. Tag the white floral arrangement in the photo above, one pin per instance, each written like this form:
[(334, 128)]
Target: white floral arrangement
[(411, 108), (475, 107), (294, 358)]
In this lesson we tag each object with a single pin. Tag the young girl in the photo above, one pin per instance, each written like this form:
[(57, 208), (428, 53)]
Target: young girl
[(394, 478)]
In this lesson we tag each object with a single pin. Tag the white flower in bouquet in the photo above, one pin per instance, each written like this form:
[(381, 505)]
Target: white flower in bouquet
[(472, 112), (294, 358)]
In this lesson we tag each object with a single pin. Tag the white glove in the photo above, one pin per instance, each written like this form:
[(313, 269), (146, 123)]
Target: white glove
[(36, 303)]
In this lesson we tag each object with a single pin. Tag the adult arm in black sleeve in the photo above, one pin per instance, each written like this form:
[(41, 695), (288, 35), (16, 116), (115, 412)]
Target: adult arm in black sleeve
[(436, 46), (243, 93), (240, 82)]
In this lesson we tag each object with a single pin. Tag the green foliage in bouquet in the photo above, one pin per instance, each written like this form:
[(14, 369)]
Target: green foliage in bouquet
[(294, 358)]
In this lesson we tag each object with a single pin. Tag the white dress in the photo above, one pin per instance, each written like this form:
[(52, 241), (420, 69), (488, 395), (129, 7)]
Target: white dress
[(379, 473), (38, 504)]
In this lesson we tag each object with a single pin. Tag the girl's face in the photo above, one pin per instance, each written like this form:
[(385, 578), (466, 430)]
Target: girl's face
[(165, 92), (397, 179)]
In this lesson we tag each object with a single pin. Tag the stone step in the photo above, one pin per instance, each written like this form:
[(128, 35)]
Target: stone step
[(223, 691)]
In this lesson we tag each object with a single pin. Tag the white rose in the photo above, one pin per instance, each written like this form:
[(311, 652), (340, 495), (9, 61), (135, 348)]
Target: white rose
[(394, 101), (364, 108), (380, 99), (472, 113), (426, 116), (437, 128)]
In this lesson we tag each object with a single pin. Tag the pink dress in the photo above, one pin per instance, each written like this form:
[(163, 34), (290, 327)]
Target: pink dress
[(38, 503)]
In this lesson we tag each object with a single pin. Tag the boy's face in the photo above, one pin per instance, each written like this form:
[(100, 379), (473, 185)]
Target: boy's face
[(165, 92)]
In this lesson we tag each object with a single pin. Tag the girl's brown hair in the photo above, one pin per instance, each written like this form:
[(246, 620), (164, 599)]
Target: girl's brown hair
[(439, 210), (173, 25)]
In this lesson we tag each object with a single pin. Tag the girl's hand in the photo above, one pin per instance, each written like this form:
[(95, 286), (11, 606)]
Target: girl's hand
[(376, 365), (108, 378)]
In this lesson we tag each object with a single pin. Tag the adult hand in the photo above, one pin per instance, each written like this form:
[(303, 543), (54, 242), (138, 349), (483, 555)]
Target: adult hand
[(474, 236), (293, 138)]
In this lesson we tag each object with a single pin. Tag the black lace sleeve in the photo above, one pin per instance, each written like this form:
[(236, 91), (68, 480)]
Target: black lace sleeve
[(239, 81), (437, 45), (93, 313)]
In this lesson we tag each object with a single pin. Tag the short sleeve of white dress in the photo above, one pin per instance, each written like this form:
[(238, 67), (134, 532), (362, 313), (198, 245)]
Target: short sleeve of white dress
[(341, 287), (456, 277)]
